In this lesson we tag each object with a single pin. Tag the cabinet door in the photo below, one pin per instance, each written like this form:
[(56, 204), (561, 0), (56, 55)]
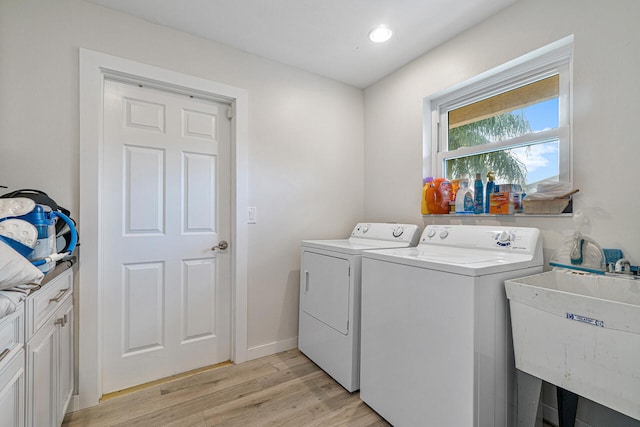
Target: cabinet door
[(326, 289), (12, 392), (42, 361), (65, 357), (50, 368), (49, 352)]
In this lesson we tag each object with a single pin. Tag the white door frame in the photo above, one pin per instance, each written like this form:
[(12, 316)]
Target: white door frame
[(94, 68)]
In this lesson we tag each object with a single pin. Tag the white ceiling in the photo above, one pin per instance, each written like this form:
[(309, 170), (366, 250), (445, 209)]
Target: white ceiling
[(326, 37)]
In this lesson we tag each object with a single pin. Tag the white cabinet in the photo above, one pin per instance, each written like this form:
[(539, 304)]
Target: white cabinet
[(65, 351), (12, 392), (12, 372), (49, 352)]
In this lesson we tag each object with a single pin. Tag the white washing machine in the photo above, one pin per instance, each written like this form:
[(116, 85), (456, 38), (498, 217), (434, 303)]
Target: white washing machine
[(436, 340), (329, 326)]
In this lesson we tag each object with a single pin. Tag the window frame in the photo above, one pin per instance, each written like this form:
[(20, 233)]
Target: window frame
[(556, 58)]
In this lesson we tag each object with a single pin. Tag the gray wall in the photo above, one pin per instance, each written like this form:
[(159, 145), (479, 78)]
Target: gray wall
[(606, 152), (305, 136)]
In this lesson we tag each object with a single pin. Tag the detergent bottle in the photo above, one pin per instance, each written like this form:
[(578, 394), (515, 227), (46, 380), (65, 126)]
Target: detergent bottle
[(425, 187), (438, 196), (478, 201), (464, 197), (490, 187)]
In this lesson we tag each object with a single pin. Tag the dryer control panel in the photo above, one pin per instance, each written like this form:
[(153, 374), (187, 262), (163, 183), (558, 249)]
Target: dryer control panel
[(519, 239), (408, 233)]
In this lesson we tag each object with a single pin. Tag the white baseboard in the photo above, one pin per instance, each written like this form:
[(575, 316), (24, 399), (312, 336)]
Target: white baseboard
[(550, 414), (272, 348), (74, 404)]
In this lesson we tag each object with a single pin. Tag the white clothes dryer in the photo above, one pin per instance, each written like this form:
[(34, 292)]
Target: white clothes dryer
[(436, 340), (329, 323)]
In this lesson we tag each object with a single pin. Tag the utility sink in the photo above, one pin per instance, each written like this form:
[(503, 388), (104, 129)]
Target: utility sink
[(580, 332)]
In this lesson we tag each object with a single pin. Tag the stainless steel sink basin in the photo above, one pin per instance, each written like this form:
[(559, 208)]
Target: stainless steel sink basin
[(580, 332)]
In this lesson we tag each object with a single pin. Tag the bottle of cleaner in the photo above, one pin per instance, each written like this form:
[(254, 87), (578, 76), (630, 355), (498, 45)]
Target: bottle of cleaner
[(438, 196), (455, 184), (464, 197), (490, 187), (425, 186), (478, 201)]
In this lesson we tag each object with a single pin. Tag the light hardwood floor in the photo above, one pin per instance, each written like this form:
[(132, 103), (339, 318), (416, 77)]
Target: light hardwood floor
[(285, 389)]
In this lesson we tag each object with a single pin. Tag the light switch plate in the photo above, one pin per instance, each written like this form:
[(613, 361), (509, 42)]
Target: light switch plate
[(252, 215)]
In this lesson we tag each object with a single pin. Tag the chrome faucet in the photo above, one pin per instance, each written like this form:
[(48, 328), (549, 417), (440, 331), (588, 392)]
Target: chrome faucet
[(623, 266)]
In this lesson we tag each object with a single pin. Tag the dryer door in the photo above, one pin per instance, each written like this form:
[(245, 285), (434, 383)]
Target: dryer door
[(326, 289)]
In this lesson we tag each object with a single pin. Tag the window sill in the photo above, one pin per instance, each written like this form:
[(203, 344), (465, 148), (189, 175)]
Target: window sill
[(519, 215)]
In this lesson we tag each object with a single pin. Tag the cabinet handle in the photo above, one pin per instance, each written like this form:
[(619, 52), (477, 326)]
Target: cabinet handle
[(4, 353), (306, 281), (61, 321), (59, 296)]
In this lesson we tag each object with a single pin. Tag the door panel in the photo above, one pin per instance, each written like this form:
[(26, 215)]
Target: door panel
[(144, 115), (326, 293), (65, 350), (42, 361), (199, 190), (197, 297), (199, 124), (143, 304), (165, 203), (143, 190), (12, 394)]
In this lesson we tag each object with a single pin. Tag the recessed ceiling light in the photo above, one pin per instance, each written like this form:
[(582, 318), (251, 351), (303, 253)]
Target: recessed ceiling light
[(380, 34)]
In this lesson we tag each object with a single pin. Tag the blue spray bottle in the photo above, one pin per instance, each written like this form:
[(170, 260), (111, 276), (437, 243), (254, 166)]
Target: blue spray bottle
[(490, 188), (478, 191)]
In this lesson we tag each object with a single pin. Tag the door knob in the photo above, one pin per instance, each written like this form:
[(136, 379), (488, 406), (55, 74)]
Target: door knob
[(222, 245)]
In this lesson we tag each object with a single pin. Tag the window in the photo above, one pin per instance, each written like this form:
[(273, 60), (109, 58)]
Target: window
[(514, 121)]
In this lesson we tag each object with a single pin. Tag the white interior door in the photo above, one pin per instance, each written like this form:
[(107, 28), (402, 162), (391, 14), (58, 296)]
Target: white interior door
[(165, 202)]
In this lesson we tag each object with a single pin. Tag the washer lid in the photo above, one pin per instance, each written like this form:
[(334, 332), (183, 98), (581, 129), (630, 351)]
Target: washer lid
[(467, 262)]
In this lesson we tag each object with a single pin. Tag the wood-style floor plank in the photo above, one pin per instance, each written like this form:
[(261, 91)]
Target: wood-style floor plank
[(285, 389), (282, 390)]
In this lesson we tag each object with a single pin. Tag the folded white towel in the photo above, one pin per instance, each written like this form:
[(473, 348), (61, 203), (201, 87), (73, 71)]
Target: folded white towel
[(9, 301), (15, 269)]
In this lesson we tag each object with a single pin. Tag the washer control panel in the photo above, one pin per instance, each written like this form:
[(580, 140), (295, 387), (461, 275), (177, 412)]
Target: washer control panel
[(522, 239), (387, 231)]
